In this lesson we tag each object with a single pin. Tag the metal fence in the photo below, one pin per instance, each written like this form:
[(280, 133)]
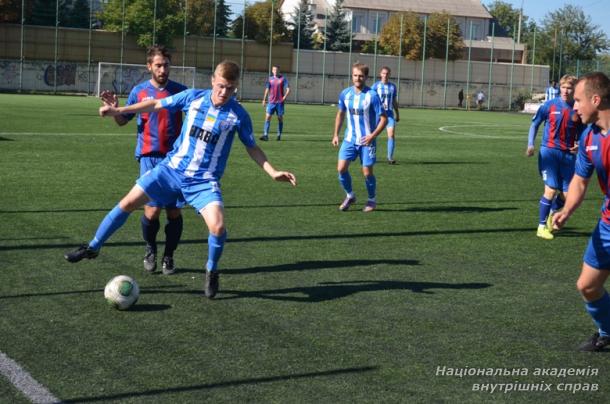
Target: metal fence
[(46, 60)]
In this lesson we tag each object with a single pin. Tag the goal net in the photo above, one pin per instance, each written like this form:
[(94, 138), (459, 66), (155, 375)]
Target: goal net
[(122, 77)]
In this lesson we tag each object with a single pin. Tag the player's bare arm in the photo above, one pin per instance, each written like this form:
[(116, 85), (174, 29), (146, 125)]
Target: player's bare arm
[(144, 106), (258, 155), (286, 94), (396, 113), (383, 120), (265, 95), (576, 194), (529, 152), (338, 123)]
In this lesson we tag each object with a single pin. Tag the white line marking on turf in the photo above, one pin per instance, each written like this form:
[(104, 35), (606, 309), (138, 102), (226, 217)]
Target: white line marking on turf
[(23, 381), (448, 129)]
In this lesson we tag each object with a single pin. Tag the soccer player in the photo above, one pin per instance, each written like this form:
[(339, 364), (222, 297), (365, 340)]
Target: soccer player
[(592, 104), (551, 91), (558, 147), (277, 89), (193, 168), (157, 132), (389, 99), (480, 97), (366, 119)]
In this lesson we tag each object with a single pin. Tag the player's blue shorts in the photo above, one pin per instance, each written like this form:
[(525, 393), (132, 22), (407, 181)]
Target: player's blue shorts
[(277, 108), (350, 151), (391, 121), (147, 163), (556, 167), (164, 184), (597, 253)]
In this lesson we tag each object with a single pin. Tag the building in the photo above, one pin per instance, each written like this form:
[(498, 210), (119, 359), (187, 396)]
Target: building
[(368, 18)]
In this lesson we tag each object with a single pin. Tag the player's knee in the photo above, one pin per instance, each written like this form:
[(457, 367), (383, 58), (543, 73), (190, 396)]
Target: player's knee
[(173, 213), (217, 229), (588, 289)]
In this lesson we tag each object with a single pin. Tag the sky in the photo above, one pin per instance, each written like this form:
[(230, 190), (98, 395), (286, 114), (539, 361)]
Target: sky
[(598, 10)]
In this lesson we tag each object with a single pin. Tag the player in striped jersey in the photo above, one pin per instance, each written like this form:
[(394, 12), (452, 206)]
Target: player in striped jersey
[(389, 99), (558, 148), (193, 168), (551, 91), (277, 89), (157, 132), (366, 119), (592, 104)]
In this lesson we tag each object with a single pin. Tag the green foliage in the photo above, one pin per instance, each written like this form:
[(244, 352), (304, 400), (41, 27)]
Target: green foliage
[(412, 30), (10, 11), (338, 30), (258, 19), (436, 37), (303, 27), (507, 18), (200, 17), (139, 21)]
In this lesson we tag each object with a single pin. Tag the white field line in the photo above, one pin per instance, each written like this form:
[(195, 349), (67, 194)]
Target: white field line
[(24, 382), (454, 130)]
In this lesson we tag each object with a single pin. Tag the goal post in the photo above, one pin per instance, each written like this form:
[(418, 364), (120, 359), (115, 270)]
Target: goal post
[(122, 77)]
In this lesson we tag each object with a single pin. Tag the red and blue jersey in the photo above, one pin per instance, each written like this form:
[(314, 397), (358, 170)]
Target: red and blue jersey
[(157, 131), (594, 154), (277, 88), (562, 125)]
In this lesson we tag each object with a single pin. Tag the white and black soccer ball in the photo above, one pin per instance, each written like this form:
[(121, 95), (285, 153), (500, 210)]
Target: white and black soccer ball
[(122, 292)]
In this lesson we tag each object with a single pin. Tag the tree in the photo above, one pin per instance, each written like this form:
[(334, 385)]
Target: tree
[(568, 33), (10, 11), (258, 19), (338, 30), (200, 17), (412, 32), (303, 27), (507, 18), (436, 37), (169, 20), (78, 15)]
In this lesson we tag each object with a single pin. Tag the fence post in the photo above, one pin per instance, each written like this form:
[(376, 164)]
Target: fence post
[(423, 64), (400, 53), (512, 70), (491, 59), (446, 65)]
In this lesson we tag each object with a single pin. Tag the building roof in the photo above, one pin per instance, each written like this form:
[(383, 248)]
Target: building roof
[(461, 8)]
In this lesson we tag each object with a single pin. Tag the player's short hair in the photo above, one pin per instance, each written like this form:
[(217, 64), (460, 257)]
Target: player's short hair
[(597, 83), (228, 70), (385, 68), (155, 50), (362, 67), (277, 66), (567, 78)]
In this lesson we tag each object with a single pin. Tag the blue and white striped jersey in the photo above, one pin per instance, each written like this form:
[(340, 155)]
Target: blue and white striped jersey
[(387, 93), (202, 149), (363, 112)]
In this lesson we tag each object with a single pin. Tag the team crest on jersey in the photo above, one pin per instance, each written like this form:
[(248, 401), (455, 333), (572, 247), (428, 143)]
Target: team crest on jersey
[(224, 125)]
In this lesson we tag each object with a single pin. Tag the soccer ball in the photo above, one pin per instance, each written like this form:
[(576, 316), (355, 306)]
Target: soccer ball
[(122, 292)]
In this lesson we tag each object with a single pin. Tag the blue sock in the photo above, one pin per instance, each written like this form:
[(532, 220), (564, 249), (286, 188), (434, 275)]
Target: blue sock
[(215, 246), (150, 228), (111, 223), (599, 310), (173, 231), (280, 128), (390, 148), (545, 209), (345, 179), (266, 128), (371, 186), (558, 203)]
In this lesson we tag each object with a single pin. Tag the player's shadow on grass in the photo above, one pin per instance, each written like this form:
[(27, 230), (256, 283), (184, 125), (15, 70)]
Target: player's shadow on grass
[(443, 163), (326, 291), (6, 139), (157, 393), (308, 266), (85, 291)]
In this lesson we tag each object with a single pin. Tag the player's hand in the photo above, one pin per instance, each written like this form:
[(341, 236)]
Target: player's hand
[(335, 141), (285, 176), (109, 98), (397, 119), (368, 139), (574, 149), (263, 103), (530, 151), (107, 110), (559, 219)]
